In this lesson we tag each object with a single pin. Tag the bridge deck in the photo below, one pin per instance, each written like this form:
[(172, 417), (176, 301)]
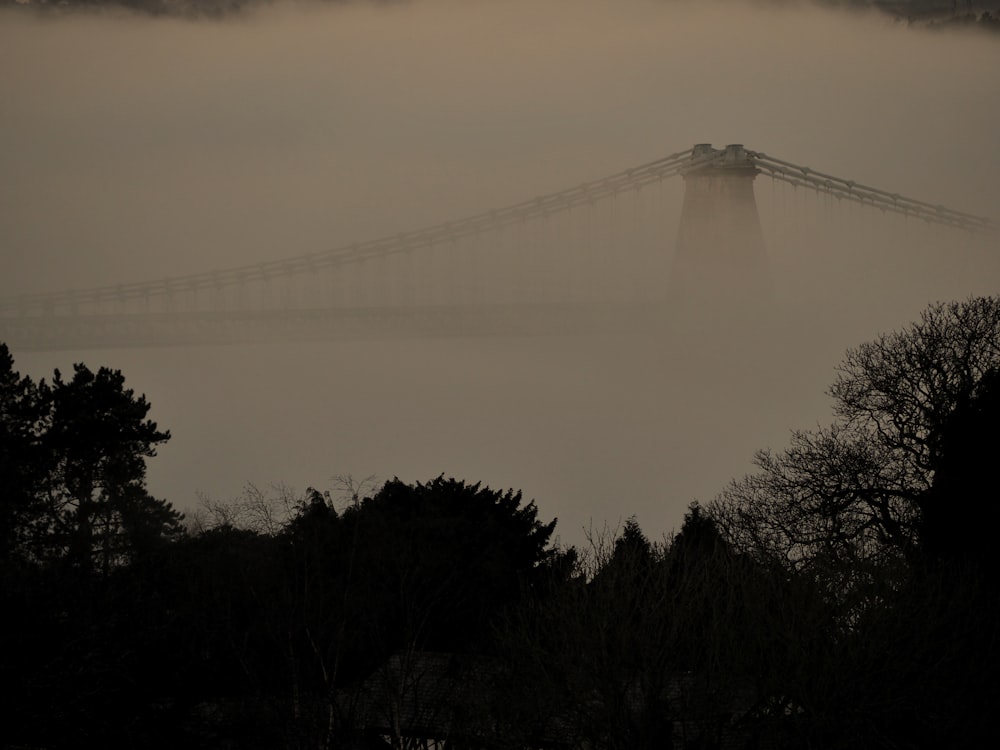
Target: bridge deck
[(197, 328)]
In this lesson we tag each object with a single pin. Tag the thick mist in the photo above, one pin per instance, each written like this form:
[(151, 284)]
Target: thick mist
[(138, 148)]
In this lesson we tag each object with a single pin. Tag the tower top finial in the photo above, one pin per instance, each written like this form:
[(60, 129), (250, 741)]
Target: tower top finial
[(732, 158)]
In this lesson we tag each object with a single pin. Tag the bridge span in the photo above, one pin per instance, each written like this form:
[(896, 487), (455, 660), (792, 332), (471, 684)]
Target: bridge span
[(563, 262)]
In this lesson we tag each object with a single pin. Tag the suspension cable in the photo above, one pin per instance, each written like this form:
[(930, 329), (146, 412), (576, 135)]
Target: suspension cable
[(842, 189)]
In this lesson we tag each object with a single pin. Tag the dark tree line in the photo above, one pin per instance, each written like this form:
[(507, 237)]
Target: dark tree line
[(131, 632), (842, 596), (889, 516)]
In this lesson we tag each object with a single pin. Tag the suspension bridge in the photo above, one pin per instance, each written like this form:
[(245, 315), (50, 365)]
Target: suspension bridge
[(566, 261)]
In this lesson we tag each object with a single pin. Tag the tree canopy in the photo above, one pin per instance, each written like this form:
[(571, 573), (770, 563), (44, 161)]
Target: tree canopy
[(73, 457), (441, 559)]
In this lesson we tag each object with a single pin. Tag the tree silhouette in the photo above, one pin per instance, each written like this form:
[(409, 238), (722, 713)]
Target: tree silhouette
[(82, 544), (882, 524), (98, 438), (21, 421), (959, 515), (74, 454), (441, 559), (848, 500), (654, 645)]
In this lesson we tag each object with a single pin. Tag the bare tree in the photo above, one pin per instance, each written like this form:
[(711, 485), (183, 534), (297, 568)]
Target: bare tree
[(863, 516), (256, 510), (848, 500)]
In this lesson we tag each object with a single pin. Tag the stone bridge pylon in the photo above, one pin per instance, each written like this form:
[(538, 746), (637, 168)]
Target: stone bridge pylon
[(720, 267)]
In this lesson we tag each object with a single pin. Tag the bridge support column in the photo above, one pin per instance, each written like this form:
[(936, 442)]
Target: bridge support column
[(720, 271)]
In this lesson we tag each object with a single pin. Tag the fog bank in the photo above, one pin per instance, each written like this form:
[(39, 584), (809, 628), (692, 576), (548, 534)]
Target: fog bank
[(140, 148)]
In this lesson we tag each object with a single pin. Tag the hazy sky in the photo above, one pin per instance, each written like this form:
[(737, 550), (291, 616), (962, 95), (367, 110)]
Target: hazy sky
[(138, 148)]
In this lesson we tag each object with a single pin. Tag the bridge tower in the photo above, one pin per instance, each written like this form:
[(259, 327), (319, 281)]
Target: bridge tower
[(720, 269)]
